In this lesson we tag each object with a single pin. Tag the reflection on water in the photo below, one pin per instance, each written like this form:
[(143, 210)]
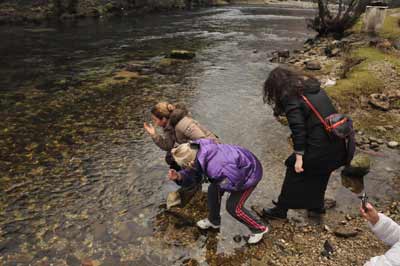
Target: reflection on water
[(79, 177)]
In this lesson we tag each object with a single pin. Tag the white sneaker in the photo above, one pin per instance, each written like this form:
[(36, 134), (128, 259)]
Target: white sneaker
[(205, 224), (255, 238)]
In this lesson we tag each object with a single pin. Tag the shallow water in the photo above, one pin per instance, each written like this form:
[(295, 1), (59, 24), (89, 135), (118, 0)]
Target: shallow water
[(99, 199)]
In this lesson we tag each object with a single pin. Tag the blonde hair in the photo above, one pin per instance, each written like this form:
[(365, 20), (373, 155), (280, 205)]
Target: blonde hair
[(184, 155), (162, 110)]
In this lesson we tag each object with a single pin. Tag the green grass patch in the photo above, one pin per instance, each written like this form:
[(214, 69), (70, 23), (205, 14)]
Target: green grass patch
[(361, 81)]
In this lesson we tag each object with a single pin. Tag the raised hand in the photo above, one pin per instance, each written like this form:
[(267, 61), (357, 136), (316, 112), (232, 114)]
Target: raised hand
[(174, 175), (149, 129)]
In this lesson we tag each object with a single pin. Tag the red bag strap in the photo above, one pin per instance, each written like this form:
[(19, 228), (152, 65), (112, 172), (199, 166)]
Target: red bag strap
[(327, 127)]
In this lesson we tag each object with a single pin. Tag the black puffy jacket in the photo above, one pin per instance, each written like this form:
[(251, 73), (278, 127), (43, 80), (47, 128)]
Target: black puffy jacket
[(308, 133)]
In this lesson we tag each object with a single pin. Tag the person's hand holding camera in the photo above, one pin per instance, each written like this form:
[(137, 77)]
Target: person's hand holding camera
[(371, 215)]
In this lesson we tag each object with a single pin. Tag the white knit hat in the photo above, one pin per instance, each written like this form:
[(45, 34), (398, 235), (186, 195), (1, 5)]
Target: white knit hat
[(184, 155)]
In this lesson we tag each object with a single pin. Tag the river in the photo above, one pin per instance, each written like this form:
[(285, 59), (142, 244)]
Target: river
[(65, 198)]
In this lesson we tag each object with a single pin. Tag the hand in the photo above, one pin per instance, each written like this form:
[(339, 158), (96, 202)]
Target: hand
[(298, 166), (149, 129), (173, 175), (371, 215)]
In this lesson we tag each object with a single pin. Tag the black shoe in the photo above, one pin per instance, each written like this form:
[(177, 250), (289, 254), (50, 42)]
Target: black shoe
[(275, 213)]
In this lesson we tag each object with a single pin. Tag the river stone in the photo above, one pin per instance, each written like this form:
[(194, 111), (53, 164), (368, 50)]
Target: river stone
[(313, 65), (374, 145), (329, 203), (372, 139), (237, 238), (100, 231), (173, 199), (345, 232), (379, 101), (182, 54), (389, 127), (354, 184), (284, 53), (393, 144), (381, 128), (73, 261), (126, 231), (328, 249)]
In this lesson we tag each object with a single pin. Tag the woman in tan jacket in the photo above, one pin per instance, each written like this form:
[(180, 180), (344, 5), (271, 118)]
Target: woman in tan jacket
[(178, 128)]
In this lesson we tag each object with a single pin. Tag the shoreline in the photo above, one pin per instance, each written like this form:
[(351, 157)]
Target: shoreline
[(42, 15)]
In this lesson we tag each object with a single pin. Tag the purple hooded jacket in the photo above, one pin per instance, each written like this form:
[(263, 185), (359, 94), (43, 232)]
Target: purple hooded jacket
[(233, 167)]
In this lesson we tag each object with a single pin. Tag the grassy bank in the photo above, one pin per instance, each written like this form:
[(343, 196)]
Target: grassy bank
[(378, 72)]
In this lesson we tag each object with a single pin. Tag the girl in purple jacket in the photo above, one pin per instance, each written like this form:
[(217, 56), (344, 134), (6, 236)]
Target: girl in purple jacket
[(229, 168)]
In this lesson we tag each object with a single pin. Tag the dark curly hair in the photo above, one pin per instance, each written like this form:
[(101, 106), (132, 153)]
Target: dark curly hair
[(284, 82)]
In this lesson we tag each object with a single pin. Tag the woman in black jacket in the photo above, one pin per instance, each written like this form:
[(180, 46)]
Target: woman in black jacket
[(315, 154)]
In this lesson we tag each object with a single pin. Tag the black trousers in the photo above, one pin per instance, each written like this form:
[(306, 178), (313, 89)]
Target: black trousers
[(234, 206), (304, 190)]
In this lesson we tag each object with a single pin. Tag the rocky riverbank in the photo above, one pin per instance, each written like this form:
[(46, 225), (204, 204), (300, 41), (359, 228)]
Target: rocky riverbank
[(362, 75), (40, 11)]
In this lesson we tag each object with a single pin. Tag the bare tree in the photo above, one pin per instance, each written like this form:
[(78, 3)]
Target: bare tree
[(336, 18)]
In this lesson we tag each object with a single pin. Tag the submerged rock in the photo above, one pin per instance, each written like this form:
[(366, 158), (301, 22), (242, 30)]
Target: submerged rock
[(182, 54)]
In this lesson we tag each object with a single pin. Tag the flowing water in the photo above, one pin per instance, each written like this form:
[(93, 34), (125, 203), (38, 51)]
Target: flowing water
[(65, 198)]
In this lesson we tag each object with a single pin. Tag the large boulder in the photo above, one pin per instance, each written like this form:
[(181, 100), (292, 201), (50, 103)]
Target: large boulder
[(182, 54)]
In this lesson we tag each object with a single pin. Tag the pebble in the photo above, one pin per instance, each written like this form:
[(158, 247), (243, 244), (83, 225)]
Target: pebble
[(389, 169), (393, 144), (372, 139), (381, 128), (374, 145)]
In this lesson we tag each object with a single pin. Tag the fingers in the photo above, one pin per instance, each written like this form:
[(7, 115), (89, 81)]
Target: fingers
[(172, 174), (298, 169), (362, 211)]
